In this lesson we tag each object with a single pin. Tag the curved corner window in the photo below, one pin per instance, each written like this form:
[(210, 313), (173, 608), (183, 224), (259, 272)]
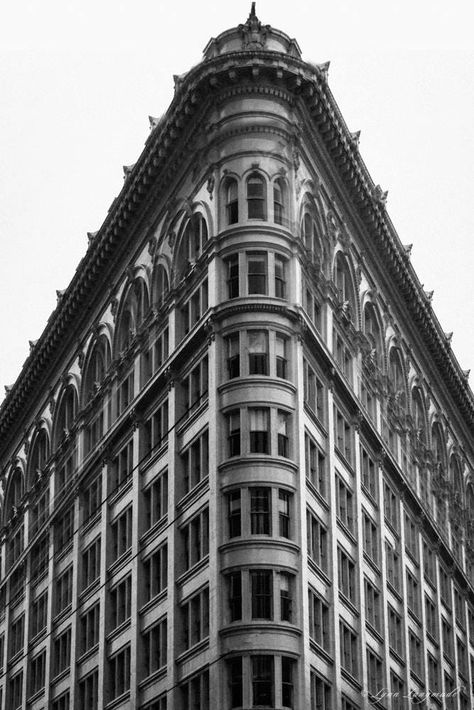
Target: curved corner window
[(232, 201), (278, 201), (256, 201)]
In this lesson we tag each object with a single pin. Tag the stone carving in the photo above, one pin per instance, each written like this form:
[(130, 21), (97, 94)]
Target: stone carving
[(254, 33)]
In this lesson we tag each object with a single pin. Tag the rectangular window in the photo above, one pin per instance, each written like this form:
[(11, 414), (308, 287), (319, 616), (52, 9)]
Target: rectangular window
[(390, 505), (413, 595), (315, 463), (344, 504), (155, 430), (155, 499), (395, 631), (39, 614), (342, 355), (17, 636), (121, 602), (448, 642), (371, 547), (397, 688), (411, 537), (195, 615), (195, 307), (89, 692), (321, 693), (119, 673), (416, 654), (261, 584), (312, 307), (259, 425), (155, 647), (91, 498), (235, 595), (61, 703), (155, 573), (317, 541), (62, 652), (375, 679), (319, 622), (313, 391), (37, 673), (160, 349), (257, 272), (283, 440), (233, 276), (262, 681), (461, 657), (121, 469), (195, 693), (63, 591), (433, 674), (346, 575), (39, 557), (232, 343), (287, 669), (284, 513), (281, 368), (15, 691), (125, 392), (368, 472), (459, 608), (64, 530), (286, 596), (89, 628), (91, 564), (121, 533), (233, 436), (257, 348), (349, 651), (372, 605), (343, 436), (392, 559), (429, 563), (445, 587), (280, 276), (234, 512), (260, 511), (431, 617), (195, 460), (235, 682), (196, 539), (195, 387)]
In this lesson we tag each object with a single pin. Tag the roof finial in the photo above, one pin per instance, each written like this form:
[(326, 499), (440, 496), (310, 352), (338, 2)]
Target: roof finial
[(252, 11)]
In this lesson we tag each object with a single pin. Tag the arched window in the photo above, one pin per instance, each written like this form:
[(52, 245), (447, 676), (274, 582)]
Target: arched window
[(96, 369), (278, 201), (39, 454), (373, 333), (15, 491), (141, 300), (162, 284), (126, 330), (66, 415), (457, 478), (344, 285), (232, 201), (192, 244), (419, 420), (470, 501), (256, 197), (397, 380), (439, 448)]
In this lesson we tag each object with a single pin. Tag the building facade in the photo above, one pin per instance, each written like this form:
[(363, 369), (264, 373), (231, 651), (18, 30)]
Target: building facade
[(237, 467)]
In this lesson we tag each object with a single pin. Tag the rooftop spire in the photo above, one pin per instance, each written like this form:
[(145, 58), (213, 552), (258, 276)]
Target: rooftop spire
[(253, 23)]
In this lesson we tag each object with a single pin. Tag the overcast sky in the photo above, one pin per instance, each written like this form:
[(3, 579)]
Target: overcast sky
[(78, 79)]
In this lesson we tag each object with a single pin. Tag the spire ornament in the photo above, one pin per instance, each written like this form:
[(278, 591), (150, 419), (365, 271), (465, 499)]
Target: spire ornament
[(254, 33)]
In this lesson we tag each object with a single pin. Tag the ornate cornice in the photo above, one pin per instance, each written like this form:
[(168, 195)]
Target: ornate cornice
[(168, 149)]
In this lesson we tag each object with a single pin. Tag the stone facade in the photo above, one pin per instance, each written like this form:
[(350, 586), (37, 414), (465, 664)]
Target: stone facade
[(237, 466)]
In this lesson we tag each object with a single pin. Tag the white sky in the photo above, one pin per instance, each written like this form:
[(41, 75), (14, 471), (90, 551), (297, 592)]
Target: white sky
[(78, 79)]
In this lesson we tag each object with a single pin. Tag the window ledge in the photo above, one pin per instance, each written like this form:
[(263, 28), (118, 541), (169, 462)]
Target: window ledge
[(193, 651), (192, 571), (88, 654), (194, 493), (154, 601), (116, 702)]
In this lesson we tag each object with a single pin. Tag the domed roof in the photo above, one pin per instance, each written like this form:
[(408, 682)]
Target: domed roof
[(252, 36)]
